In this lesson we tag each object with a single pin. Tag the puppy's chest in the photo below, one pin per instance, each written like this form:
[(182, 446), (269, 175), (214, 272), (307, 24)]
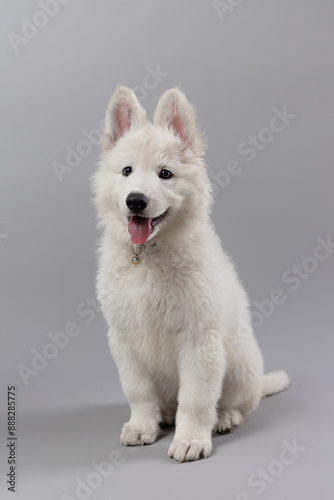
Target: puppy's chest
[(154, 304), (153, 288), (154, 296)]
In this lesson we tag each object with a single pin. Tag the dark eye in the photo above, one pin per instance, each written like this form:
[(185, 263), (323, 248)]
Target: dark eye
[(165, 174), (127, 171)]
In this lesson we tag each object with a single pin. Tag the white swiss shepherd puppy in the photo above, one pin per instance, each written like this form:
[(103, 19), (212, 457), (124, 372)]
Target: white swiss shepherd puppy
[(180, 329)]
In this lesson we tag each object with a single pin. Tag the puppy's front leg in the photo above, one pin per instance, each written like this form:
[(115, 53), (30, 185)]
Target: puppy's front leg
[(143, 426), (201, 371)]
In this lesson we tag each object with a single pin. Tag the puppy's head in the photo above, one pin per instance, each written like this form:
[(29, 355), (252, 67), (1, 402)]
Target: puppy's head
[(151, 179)]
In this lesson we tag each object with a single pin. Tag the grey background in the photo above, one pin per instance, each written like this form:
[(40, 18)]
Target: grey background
[(262, 55)]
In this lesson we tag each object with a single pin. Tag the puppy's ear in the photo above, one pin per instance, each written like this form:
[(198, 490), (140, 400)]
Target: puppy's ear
[(177, 114), (122, 114)]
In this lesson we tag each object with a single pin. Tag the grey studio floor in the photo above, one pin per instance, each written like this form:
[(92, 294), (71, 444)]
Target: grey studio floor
[(58, 447), (240, 64)]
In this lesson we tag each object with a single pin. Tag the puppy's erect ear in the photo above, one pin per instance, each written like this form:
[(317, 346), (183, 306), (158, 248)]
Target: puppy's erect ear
[(122, 114), (176, 113)]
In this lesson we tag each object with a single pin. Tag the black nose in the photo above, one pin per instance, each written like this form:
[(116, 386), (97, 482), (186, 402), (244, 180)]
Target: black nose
[(136, 202)]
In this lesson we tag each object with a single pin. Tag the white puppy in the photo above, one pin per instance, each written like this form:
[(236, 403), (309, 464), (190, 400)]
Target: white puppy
[(180, 329)]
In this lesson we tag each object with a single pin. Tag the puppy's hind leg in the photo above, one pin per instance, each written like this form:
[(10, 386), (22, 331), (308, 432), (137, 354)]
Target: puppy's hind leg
[(241, 394), (228, 420)]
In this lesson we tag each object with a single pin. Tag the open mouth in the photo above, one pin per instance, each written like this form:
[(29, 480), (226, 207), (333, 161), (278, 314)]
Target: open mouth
[(140, 227)]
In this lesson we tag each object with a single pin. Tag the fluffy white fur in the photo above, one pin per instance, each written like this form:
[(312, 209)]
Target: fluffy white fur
[(180, 329)]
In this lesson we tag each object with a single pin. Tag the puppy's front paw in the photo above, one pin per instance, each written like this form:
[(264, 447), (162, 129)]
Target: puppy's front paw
[(134, 434), (185, 450)]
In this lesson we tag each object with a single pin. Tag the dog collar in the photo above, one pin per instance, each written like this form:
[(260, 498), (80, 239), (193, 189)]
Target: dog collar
[(136, 250)]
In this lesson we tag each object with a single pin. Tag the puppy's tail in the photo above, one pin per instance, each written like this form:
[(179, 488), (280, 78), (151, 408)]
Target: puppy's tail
[(274, 382)]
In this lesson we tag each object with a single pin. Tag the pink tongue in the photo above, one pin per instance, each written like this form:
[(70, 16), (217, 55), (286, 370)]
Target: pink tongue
[(139, 229)]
